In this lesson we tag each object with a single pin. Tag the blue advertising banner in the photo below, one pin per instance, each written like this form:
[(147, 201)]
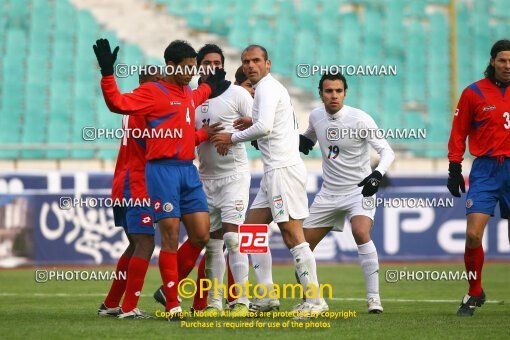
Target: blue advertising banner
[(415, 220)]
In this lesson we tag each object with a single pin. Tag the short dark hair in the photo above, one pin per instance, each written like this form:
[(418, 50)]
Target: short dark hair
[(240, 76), (499, 46), (147, 74), (210, 48), (250, 47), (178, 50), (329, 76)]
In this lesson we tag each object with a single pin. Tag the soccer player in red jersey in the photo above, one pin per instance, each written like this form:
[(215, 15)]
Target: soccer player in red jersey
[(137, 220), (174, 187), (483, 115)]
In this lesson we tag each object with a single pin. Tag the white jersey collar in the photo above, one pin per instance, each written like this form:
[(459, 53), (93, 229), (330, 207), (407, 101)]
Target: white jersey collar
[(266, 77), (337, 115)]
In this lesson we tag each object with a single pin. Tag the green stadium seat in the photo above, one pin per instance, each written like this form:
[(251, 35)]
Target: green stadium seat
[(239, 33)]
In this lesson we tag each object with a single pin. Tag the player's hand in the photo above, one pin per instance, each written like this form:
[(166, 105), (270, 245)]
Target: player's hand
[(242, 123), (255, 144), (223, 149), (305, 144), (217, 82), (222, 142), (105, 57), (212, 129), (371, 184), (222, 138), (455, 179)]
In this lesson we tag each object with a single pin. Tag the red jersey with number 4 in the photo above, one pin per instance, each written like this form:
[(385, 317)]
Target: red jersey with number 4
[(169, 112), (129, 175), (483, 115)]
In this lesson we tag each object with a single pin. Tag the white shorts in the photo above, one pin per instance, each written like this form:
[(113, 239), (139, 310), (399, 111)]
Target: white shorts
[(227, 199), (331, 210), (283, 190)]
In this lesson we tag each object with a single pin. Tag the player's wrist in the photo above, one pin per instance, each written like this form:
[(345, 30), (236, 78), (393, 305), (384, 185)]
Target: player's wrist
[(455, 167)]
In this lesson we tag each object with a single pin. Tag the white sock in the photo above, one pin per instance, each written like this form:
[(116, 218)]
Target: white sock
[(306, 269), (239, 265), (263, 267), (215, 269), (369, 262)]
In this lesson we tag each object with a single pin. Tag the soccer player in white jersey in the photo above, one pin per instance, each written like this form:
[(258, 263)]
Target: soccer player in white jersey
[(226, 180), (282, 195), (347, 176)]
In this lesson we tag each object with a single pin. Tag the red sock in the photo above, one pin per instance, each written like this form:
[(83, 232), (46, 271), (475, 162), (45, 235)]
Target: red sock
[(200, 303), (119, 284), (170, 276), (473, 259), (187, 256), (137, 270), (231, 281)]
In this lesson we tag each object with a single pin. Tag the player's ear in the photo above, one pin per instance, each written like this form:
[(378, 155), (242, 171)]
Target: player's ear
[(492, 62)]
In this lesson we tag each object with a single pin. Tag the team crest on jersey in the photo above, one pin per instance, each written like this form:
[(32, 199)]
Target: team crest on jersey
[(157, 205), (239, 204), (278, 201), (332, 133), (168, 207), (469, 203), (146, 220), (488, 108), (205, 107)]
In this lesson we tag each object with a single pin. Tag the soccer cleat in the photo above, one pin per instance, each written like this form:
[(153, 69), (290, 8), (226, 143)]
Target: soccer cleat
[(228, 305), (239, 310), (133, 314), (307, 310), (469, 303), (176, 314), (211, 312), (374, 306), (105, 311), (265, 305), (159, 296)]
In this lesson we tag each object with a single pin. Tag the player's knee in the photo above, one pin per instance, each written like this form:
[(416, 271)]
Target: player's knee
[(361, 237), (199, 240), (145, 243), (473, 238), (231, 241)]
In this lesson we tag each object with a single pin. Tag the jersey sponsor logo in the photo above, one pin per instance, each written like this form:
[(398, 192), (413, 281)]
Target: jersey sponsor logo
[(332, 133), (175, 103), (488, 108), (137, 293), (146, 220), (170, 284), (280, 212), (157, 205), (469, 203), (168, 207), (456, 113), (278, 201), (239, 204), (253, 238)]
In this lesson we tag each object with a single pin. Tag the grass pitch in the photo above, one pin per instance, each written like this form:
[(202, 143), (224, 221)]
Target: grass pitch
[(412, 309)]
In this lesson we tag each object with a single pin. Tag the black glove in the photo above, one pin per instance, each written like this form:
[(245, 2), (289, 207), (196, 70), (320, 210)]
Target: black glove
[(217, 82), (104, 56), (305, 144), (371, 184), (455, 179), (255, 144)]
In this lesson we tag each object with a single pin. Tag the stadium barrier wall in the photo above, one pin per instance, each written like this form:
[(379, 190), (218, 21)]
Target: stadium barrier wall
[(34, 230)]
